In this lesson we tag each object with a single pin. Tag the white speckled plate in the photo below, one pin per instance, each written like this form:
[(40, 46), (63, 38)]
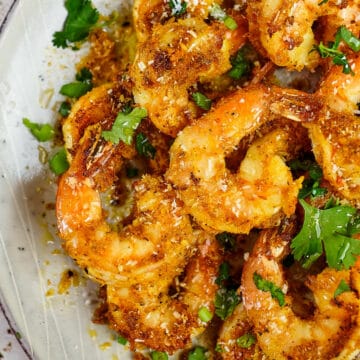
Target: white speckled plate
[(52, 325)]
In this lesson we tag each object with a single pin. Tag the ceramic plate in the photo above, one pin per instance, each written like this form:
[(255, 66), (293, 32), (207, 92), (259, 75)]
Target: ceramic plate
[(54, 321)]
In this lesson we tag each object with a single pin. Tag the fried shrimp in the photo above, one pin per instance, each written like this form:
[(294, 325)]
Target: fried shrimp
[(163, 321), (262, 190), (175, 57), (133, 254), (140, 262), (335, 133), (283, 30), (332, 332)]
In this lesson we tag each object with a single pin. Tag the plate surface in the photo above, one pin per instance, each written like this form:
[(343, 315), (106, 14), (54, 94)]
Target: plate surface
[(32, 262)]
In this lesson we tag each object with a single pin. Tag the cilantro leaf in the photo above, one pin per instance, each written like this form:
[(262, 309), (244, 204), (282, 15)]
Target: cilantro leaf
[(201, 100), (198, 353), (342, 287), (227, 240), (265, 285), (224, 273), (124, 126), (246, 341), (331, 50), (177, 7), (81, 17), (327, 230), (42, 132), (159, 355), (225, 302), (219, 14), (144, 147), (311, 185), (241, 64)]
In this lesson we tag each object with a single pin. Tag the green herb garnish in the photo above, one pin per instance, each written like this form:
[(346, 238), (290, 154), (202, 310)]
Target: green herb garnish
[(201, 100), (81, 17), (42, 132), (158, 355), (225, 302), (121, 340), (311, 185), (241, 65), (65, 109), (224, 273), (226, 240), (144, 147), (245, 341), (198, 353), (58, 163), (265, 285), (219, 14), (80, 87), (205, 314), (332, 48), (177, 7), (124, 126), (328, 230), (343, 287)]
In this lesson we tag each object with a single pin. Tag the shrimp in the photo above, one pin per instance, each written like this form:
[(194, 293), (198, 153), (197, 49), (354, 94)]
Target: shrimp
[(332, 332), (262, 190), (283, 30), (148, 13), (166, 322), (141, 259), (335, 133), (174, 57)]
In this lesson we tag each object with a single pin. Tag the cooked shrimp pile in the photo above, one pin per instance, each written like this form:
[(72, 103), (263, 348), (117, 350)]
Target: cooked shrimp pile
[(229, 114)]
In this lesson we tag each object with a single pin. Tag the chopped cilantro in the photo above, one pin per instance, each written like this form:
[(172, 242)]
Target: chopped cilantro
[(84, 75), (121, 340), (42, 132), (81, 17), (323, 2), (58, 163), (224, 273), (219, 14), (124, 126), (80, 87), (65, 109), (311, 185), (219, 348), (201, 100), (177, 7), (144, 147), (225, 302), (265, 285), (332, 48), (131, 172), (198, 353), (241, 64), (328, 230), (245, 341), (158, 355), (227, 240), (230, 23), (342, 287), (205, 314)]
